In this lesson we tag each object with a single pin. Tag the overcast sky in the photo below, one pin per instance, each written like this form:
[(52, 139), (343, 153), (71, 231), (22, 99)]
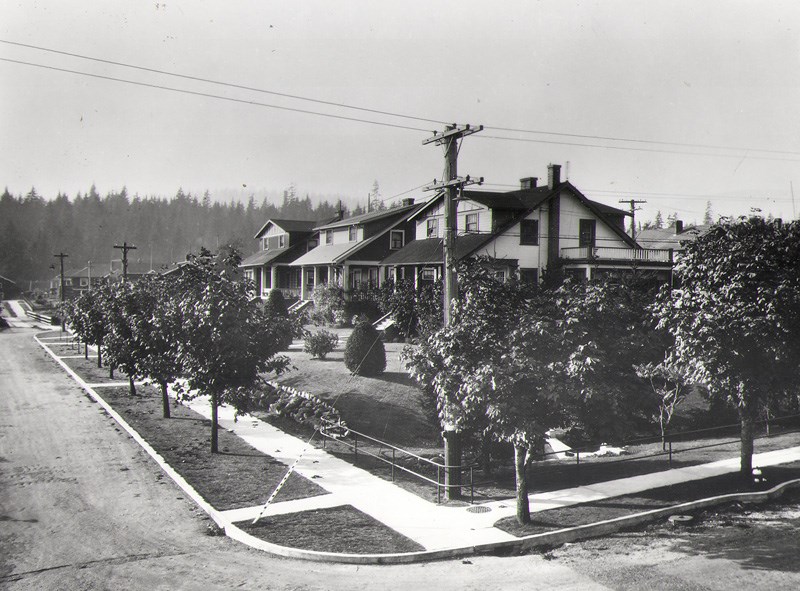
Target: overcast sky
[(717, 82)]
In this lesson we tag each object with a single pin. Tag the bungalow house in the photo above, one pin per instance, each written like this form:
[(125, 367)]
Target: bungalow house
[(76, 281), (670, 237), (351, 250), (281, 242), (8, 288), (525, 232)]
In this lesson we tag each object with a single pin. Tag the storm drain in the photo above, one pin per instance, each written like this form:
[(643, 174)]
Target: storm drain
[(479, 509)]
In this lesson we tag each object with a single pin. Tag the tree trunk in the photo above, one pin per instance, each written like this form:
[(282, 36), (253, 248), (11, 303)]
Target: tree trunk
[(164, 399), (132, 388), (523, 508), (746, 418), (452, 458), (111, 372), (214, 424), (486, 455), (86, 351), (99, 357)]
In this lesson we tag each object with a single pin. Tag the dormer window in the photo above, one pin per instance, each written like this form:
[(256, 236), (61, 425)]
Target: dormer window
[(264, 244), (396, 239), (432, 228), (353, 235), (281, 240), (328, 236), (472, 223)]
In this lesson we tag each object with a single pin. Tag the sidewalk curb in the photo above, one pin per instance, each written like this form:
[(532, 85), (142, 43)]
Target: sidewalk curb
[(547, 539)]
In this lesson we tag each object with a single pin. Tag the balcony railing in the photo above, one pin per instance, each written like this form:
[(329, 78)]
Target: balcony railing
[(607, 253)]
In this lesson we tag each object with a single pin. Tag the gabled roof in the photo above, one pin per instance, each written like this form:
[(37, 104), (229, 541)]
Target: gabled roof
[(429, 250), (666, 238), (273, 255), (288, 226), (607, 209), (336, 253), (370, 217)]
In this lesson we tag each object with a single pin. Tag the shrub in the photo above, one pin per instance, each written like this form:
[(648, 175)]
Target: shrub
[(320, 343), (276, 305), (364, 353), (329, 304)]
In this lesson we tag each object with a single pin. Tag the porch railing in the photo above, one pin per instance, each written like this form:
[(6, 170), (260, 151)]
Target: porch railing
[(608, 253)]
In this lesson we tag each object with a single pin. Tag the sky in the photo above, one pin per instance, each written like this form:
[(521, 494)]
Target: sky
[(674, 103)]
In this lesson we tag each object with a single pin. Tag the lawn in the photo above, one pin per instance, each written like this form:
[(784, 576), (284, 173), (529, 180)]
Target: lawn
[(388, 407)]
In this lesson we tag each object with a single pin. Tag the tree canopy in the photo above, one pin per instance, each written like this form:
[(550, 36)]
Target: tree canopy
[(736, 316)]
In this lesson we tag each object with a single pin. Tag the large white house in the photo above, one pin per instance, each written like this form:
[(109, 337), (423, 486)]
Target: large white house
[(526, 232)]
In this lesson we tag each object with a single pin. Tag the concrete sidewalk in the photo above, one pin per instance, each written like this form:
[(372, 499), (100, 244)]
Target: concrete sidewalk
[(435, 527)]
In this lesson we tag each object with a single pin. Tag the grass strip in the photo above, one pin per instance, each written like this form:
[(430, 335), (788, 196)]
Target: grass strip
[(621, 506), (337, 529)]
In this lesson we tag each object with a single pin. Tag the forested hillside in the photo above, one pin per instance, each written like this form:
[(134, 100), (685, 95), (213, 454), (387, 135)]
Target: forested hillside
[(86, 227)]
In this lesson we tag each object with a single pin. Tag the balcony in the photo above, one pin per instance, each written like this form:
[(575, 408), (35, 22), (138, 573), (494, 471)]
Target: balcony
[(617, 255)]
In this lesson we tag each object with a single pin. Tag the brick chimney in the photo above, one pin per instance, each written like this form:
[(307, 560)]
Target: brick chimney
[(529, 182), (408, 201), (553, 175), (678, 226)]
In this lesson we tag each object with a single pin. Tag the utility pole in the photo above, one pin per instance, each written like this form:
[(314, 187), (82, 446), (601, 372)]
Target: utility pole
[(125, 248), (62, 256), (633, 203), (452, 184)]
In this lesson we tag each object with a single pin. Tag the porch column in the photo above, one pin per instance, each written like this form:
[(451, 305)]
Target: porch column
[(316, 276), (346, 278), (273, 277), (303, 291)]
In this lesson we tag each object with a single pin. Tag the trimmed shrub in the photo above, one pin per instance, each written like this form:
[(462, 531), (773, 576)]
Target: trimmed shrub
[(320, 343), (364, 353)]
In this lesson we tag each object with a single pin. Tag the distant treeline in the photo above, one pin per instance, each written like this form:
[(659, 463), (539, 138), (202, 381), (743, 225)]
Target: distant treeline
[(86, 227)]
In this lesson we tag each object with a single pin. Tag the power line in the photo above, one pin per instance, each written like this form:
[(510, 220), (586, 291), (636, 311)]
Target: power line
[(220, 83), (641, 141), (400, 115), (214, 96), (631, 149)]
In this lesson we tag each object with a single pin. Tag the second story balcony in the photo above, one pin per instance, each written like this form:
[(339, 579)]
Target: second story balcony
[(646, 256)]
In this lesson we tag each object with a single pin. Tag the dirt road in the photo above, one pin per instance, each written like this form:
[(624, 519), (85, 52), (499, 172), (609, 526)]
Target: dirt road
[(81, 507)]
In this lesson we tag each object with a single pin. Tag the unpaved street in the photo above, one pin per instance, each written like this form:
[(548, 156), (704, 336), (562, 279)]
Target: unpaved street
[(81, 507)]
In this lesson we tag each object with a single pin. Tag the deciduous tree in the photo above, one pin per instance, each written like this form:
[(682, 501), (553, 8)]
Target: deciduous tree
[(736, 316)]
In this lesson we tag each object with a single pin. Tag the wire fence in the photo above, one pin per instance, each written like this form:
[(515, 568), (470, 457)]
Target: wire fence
[(574, 467)]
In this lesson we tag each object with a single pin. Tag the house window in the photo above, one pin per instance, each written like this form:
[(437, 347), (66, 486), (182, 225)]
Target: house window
[(373, 277), (529, 232), (281, 240), (309, 279), (472, 222), (84, 282), (267, 274), (68, 281), (500, 276), (396, 239), (328, 236), (264, 244), (433, 228), (353, 236), (355, 278), (428, 274), (529, 276), (586, 233)]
